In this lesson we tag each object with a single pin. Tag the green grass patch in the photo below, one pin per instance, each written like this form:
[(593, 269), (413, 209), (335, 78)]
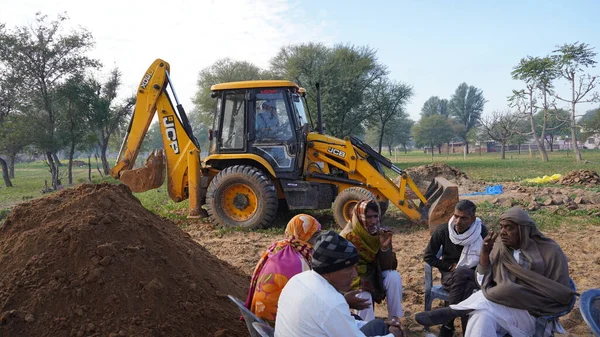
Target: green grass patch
[(29, 182), (490, 167)]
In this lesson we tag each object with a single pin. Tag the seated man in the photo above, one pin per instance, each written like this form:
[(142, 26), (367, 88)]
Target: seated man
[(312, 304), (266, 119), (377, 275), (522, 277), (461, 239)]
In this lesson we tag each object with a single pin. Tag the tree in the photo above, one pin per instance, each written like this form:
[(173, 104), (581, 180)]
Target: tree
[(387, 100), (74, 103), (591, 123), (398, 133), (466, 106), (500, 126), (571, 60), (538, 74), (344, 72), (223, 70), (591, 120), (43, 57), (553, 123), (435, 106), (107, 116), (432, 130)]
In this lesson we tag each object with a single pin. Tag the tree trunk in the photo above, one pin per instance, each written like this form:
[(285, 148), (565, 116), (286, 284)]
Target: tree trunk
[(439, 147), (503, 150), (541, 147), (466, 147), (70, 166), (431, 152), (519, 147), (381, 137), (5, 175), (105, 166), (11, 165), (90, 167), (574, 129), (56, 160), (98, 167), (404, 146), (390, 150), (53, 169), (550, 141)]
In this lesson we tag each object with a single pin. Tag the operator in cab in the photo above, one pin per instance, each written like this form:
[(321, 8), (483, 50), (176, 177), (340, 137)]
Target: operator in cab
[(266, 119)]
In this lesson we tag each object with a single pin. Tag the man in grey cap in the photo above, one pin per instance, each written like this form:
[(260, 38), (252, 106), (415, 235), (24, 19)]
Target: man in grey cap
[(312, 303)]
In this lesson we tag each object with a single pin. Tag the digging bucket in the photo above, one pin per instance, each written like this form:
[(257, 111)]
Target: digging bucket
[(442, 196), (150, 176)]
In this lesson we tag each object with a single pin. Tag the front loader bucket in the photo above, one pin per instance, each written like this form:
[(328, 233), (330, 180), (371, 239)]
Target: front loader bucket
[(149, 177), (442, 197)]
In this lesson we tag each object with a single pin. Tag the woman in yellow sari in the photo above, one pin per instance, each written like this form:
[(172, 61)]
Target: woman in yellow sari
[(279, 263), (377, 275)]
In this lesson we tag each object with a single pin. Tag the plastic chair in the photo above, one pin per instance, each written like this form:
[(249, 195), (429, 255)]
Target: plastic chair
[(589, 306), (432, 292), (263, 329), (542, 322), (249, 316)]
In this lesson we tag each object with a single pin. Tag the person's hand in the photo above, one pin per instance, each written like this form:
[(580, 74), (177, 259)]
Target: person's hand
[(397, 331), (488, 242), (355, 302), (453, 267), (385, 238)]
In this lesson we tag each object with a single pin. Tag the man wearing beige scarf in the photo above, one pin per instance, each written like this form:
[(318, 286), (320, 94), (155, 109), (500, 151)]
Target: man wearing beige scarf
[(523, 276)]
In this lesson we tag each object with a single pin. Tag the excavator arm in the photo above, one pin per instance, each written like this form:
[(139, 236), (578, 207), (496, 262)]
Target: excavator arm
[(180, 149), (351, 163)]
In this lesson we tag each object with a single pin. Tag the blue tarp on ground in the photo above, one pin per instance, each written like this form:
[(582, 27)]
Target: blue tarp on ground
[(490, 190)]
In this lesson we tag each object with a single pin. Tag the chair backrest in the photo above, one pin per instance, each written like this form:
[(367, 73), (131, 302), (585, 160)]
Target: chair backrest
[(589, 306), (249, 316), (263, 329)]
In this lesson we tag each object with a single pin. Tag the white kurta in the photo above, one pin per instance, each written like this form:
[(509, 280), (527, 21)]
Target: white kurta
[(311, 306), (392, 282)]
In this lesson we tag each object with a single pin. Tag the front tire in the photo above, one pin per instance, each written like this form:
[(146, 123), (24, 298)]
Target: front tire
[(345, 201), (243, 196)]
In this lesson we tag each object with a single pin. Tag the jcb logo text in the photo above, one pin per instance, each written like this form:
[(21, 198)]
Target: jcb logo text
[(169, 123), (336, 152)]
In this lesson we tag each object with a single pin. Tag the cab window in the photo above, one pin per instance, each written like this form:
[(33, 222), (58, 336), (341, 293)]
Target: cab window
[(272, 121), (232, 127)]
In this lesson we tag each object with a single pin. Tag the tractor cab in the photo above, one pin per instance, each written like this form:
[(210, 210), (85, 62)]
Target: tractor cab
[(263, 118)]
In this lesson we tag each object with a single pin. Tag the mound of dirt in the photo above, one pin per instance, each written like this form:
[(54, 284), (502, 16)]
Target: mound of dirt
[(92, 261), (424, 174), (581, 177)]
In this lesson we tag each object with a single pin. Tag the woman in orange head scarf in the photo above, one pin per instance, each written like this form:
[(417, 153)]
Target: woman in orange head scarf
[(279, 263)]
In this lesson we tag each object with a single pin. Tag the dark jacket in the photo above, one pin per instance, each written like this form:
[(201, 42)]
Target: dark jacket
[(450, 253)]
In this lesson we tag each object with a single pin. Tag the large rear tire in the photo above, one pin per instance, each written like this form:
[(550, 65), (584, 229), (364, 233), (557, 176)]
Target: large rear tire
[(241, 196), (345, 201)]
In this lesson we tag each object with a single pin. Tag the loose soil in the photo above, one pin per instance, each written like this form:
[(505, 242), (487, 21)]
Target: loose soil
[(92, 261)]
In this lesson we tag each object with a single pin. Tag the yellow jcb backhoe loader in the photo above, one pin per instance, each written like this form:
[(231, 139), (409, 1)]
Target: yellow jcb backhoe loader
[(263, 155)]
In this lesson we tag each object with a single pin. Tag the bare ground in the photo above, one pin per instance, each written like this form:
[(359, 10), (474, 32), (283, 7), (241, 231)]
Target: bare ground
[(242, 249)]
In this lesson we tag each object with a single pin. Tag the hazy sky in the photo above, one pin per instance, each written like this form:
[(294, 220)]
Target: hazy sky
[(431, 45)]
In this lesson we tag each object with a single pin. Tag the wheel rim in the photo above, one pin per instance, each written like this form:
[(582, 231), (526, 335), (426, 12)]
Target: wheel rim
[(348, 208), (239, 202)]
